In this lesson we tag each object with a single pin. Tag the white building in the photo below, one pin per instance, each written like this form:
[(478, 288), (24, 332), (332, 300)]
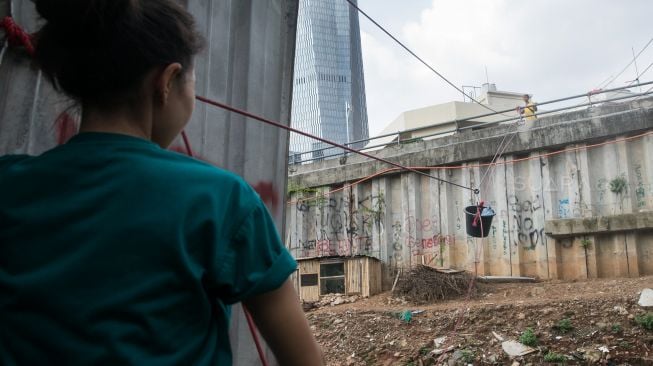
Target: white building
[(442, 119)]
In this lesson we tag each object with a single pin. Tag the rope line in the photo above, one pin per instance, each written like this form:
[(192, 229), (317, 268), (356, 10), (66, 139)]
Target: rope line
[(189, 150), (500, 150), (291, 129)]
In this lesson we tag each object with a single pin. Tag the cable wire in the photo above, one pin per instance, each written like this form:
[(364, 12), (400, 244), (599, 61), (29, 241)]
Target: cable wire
[(611, 80), (640, 74), (421, 60)]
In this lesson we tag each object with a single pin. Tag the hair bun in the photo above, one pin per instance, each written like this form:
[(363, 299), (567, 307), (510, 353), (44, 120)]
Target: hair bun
[(74, 14)]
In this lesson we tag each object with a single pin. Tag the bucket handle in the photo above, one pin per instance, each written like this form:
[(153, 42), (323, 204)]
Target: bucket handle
[(477, 215)]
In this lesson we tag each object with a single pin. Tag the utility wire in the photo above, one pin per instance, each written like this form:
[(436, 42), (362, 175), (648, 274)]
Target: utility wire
[(353, 5), (612, 79), (640, 74), (288, 128)]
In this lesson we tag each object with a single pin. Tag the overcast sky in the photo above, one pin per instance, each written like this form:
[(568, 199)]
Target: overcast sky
[(548, 48)]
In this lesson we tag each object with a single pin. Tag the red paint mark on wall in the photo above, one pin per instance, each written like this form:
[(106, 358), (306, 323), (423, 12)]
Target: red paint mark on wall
[(66, 127), (268, 194)]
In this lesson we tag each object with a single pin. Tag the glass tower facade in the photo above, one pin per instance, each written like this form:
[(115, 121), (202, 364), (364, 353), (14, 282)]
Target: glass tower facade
[(329, 89)]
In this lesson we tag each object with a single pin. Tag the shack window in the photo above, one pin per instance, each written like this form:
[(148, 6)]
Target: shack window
[(332, 278), (309, 279), (332, 269)]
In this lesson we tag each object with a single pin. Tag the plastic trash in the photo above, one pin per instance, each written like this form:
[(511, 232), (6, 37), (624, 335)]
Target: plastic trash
[(406, 316), (487, 211)]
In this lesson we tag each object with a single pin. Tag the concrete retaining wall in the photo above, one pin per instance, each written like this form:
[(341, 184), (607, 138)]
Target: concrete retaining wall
[(555, 172)]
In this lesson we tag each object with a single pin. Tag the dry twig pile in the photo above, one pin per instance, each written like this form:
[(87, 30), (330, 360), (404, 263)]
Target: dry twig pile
[(424, 284)]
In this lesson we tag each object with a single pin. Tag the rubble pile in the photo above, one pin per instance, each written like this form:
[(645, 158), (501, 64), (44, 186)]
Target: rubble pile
[(601, 322), (330, 300)]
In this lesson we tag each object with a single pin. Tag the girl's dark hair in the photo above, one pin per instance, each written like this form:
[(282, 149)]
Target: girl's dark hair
[(97, 51)]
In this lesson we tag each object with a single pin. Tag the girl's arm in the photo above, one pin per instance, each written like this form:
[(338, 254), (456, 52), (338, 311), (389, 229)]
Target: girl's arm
[(281, 320)]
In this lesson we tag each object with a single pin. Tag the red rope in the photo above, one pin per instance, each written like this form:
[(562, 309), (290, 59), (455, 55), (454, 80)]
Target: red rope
[(16, 36), (252, 329), (189, 150), (477, 216), (299, 132)]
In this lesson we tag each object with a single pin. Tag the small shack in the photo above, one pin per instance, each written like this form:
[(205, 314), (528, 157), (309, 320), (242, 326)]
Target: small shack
[(319, 276)]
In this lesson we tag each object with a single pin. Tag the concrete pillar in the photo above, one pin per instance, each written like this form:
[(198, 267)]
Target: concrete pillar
[(571, 259), (409, 209), (378, 239), (586, 208), (451, 221), (644, 247), (630, 243), (612, 260), (385, 234), (480, 247), (548, 192), (512, 205), (591, 260)]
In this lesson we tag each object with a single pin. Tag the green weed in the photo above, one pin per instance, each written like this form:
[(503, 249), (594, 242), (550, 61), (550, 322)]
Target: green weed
[(565, 325), (528, 338), (645, 321), (554, 357)]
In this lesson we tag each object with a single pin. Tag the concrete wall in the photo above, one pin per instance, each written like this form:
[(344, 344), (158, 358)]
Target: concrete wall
[(248, 64), (551, 191)]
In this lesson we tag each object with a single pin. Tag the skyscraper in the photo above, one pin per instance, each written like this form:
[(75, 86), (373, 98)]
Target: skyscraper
[(329, 89)]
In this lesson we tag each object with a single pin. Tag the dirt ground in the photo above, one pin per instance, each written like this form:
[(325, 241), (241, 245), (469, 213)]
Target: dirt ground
[(589, 322)]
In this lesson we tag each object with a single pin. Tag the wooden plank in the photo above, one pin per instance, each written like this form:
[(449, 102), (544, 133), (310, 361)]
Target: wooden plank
[(310, 266), (310, 293), (375, 279), (365, 277), (294, 279), (353, 268)]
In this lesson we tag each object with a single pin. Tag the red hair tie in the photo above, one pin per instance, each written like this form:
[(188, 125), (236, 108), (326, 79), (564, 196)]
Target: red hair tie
[(17, 35)]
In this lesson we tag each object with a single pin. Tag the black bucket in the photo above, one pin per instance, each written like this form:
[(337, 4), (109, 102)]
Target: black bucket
[(485, 222)]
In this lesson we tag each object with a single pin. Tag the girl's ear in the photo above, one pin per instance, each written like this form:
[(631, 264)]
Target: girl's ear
[(164, 82)]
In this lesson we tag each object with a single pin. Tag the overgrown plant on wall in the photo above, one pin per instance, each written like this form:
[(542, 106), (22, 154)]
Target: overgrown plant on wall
[(619, 185), (307, 194), (585, 243), (376, 211)]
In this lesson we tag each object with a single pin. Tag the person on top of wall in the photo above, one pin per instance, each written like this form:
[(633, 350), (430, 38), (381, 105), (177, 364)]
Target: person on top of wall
[(529, 109), (114, 250)]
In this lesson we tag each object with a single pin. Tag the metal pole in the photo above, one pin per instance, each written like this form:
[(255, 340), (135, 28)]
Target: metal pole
[(636, 71), (471, 119)]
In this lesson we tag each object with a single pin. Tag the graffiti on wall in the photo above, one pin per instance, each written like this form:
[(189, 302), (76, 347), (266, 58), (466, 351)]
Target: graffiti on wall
[(640, 190), (340, 225), (529, 235)]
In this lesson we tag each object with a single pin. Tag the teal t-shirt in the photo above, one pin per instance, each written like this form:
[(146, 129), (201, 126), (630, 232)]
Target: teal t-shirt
[(114, 251)]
